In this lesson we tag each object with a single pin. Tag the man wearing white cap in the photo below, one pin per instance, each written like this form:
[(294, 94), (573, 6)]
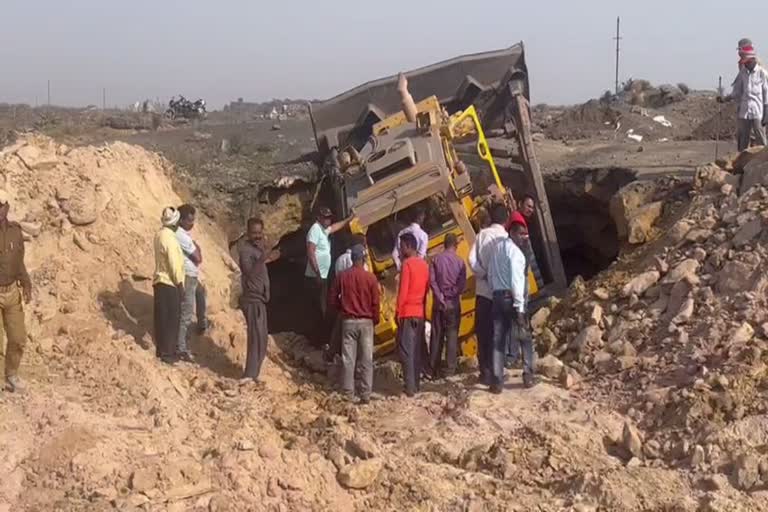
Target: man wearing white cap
[(168, 285), (13, 275), (750, 90)]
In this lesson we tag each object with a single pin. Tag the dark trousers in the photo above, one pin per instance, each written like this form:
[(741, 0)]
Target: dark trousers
[(411, 347), (445, 335), (505, 327), (318, 289), (484, 335), (256, 321), (167, 317)]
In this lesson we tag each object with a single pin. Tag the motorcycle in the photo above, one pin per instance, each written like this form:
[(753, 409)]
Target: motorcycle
[(182, 108)]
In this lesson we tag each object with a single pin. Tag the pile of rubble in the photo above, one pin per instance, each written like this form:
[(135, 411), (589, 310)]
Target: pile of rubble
[(675, 333)]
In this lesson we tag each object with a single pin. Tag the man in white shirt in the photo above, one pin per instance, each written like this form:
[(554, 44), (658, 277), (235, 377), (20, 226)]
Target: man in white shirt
[(506, 275), (344, 261), (192, 260), (750, 90), (422, 239), (479, 261)]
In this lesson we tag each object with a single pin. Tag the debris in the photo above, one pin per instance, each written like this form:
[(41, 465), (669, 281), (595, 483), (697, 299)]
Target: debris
[(641, 283), (360, 475), (662, 121)]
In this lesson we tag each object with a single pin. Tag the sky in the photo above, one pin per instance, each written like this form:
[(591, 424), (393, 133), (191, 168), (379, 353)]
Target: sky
[(263, 49)]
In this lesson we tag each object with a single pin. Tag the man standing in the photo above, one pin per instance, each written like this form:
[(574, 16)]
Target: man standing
[(479, 261), (344, 261), (523, 214), (255, 295), (13, 274), (168, 285), (750, 90), (319, 266), (507, 279), (411, 299), (422, 239), (447, 278), (355, 295), (192, 259)]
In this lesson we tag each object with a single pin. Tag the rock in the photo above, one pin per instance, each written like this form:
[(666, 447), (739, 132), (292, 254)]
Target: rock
[(652, 449), (362, 447), (679, 293), (734, 277), (360, 475), (712, 177), (755, 173), (546, 341), (276, 127), (315, 362), (590, 336), (80, 241), (679, 231), (641, 283), (747, 232), (33, 229), (602, 294), (549, 366), (699, 254), (245, 445), (539, 319), (748, 155), (596, 315), (698, 456), (641, 224), (269, 450), (568, 378), (685, 270), (742, 334), (685, 313), (746, 472), (698, 235), (36, 159), (631, 440), (144, 480), (627, 201)]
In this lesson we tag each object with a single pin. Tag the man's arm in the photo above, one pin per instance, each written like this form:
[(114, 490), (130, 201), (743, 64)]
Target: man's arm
[(437, 293), (462, 282), (405, 283), (376, 301), (423, 243), (197, 255), (24, 280), (517, 263), (176, 262), (333, 228), (396, 250), (474, 258)]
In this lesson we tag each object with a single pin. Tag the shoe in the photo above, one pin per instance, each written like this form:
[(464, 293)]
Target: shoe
[(529, 381), (364, 400), (169, 360), (485, 380), (186, 357), (410, 394), (352, 399), (495, 389), (202, 327), (14, 384)]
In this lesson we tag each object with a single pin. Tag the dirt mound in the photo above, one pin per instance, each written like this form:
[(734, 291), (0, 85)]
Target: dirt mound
[(724, 122), (674, 335)]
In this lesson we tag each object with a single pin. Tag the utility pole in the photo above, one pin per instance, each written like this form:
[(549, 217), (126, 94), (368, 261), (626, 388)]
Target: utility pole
[(104, 99), (49, 93), (617, 38)]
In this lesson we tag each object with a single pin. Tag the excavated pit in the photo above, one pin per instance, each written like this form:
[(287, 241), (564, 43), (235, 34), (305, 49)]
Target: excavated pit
[(579, 200)]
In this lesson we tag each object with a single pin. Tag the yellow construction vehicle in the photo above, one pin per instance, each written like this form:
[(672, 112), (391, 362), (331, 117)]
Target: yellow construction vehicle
[(412, 160)]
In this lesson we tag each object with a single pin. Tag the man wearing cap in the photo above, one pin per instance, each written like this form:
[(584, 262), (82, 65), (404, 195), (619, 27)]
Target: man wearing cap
[(13, 275), (447, 279), (168, 286), (750, 90), (355, 295), (319, 266)]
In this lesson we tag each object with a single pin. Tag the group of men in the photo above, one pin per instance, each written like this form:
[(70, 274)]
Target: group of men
[(178, 292)]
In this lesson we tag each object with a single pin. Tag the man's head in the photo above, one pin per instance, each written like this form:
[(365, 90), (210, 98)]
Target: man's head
[(324, 216), (357, 252), (451, 242), (528, 206), (518, 233), (5, 205), (357, 239), (170, 217), (499, 214), (255, 230), (187, 216), (408, 244), (419, 216)]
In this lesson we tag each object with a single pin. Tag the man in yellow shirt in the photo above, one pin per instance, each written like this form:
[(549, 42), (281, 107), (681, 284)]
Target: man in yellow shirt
[(168, 285)]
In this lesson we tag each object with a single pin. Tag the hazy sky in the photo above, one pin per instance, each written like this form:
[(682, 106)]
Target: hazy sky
[(260, 49)]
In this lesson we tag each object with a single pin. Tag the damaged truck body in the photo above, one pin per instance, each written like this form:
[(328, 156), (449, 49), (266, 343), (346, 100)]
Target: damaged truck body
[(386, 155)]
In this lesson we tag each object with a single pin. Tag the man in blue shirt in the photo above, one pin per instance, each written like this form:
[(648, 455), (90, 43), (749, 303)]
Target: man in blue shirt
[(506, 276), (319, 266)]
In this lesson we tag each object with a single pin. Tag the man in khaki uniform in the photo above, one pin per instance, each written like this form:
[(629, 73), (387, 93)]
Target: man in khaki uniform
[(14, 285)]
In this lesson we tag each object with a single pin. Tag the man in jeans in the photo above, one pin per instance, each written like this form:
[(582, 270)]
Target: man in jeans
[(447, 278), (507, 279), (192, 259), (411, 298), (355, 295)]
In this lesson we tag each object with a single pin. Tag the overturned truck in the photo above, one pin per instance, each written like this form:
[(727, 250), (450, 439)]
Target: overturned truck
[(387, 154)]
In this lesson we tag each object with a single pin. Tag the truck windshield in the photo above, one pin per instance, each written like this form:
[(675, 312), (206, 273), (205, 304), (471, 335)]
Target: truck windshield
[(382, 235)]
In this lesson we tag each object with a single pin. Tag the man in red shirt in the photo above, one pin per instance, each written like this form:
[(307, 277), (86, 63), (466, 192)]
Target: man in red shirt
[(522, 214), (411, 299), (355, 295)]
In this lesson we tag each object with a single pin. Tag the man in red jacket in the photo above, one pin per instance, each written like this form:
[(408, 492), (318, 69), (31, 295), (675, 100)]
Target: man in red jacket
[(411, 299)]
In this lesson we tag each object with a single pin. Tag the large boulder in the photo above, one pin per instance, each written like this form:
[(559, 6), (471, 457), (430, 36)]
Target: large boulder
[(641, 224), (360, 475), (627, 201), (755, 172)]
